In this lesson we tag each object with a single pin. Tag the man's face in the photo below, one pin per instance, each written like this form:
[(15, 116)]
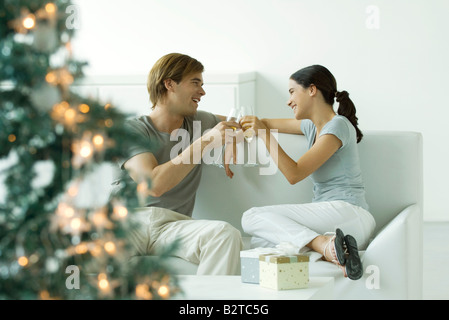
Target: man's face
[(187, 94)]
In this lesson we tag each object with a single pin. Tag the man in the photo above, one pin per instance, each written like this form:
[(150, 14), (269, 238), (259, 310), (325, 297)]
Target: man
[(175, 87)]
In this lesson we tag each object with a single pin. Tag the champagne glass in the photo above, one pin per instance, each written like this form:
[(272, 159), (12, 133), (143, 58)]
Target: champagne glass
[(247, 111), (249, 134), (234, 115)]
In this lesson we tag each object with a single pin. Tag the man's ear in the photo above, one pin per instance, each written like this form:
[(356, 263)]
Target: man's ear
[(169, 84)]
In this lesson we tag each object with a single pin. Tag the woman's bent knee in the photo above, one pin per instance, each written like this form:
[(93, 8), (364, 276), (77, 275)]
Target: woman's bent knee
[(250, 216)]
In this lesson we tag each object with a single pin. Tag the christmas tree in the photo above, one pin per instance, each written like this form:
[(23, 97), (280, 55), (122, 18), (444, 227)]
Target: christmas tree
[(51, 140)]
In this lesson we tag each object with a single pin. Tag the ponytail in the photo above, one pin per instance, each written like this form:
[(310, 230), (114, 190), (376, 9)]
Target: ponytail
[(347, 108)]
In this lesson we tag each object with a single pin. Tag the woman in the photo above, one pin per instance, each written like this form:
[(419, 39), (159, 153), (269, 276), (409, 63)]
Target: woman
[(332, 162)]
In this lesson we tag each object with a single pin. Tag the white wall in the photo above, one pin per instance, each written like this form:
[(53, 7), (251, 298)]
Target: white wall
[(396, 73)]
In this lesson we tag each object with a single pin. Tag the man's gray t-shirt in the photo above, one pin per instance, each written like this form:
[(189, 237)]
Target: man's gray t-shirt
[(180, 198), (340, 177)]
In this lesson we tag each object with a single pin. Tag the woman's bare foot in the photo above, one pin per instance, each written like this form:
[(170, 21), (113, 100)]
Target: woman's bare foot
[(320, 243)]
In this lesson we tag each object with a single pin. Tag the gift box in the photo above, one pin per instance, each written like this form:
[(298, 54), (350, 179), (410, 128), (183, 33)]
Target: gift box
[(249, 263), (283, 272)]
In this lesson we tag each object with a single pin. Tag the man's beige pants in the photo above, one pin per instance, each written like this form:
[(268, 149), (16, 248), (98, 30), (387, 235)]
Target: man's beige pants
[(213, 245)]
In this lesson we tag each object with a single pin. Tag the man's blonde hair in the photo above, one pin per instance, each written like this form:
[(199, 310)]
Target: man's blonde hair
[(173, 66)]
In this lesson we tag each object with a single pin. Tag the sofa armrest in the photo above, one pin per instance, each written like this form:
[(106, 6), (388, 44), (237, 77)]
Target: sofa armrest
[(396, 253)]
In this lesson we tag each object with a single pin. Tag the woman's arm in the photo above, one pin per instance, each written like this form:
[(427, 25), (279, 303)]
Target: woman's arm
[(315, 157), (325, 146), (292, 126)]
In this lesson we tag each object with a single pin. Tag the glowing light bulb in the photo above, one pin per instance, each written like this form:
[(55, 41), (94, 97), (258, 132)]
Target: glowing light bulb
[(84, 108), (81, 248), (143, 292), (98, 140), (102, 276), (51, 77), (23, 261), (44, 295), (95, 250), (110, 247), (103, 284), (70, 115), (163, 291), (85, 150), (50, 8), (69, 212), (75, 223), (73, 190), (29, 22), (121, 211)]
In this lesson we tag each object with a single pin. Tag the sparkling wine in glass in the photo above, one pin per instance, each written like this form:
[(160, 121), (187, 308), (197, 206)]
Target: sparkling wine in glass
[(234, 115), (247, 111)]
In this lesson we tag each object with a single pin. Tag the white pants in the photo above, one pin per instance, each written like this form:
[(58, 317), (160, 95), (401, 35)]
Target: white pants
[(213, 245), (301, 223)]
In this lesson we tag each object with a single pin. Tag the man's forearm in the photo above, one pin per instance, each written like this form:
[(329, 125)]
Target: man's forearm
[(167, 175)]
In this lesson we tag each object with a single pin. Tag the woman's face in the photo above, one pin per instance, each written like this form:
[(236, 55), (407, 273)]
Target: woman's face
[(299, 100)]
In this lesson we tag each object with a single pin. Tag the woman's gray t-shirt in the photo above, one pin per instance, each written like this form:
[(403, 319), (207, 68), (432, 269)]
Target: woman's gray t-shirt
[(340, 177)]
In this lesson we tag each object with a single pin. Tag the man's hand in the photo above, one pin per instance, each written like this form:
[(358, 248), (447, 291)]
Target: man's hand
[(231, 151), (220, 131)]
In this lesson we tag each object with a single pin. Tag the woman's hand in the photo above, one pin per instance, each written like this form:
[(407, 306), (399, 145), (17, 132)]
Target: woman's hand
[(252, 123)]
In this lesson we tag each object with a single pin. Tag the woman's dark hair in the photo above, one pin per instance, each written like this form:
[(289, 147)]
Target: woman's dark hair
[(323, 79)]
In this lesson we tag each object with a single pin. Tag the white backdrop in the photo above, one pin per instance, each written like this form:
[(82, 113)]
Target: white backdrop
[(390, 55)]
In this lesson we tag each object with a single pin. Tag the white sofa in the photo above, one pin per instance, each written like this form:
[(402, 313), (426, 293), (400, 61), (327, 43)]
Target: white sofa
[(392, 169)]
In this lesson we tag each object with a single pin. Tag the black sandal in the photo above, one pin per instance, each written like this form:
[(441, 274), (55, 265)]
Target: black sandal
[(339, 247), (353, 267)]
